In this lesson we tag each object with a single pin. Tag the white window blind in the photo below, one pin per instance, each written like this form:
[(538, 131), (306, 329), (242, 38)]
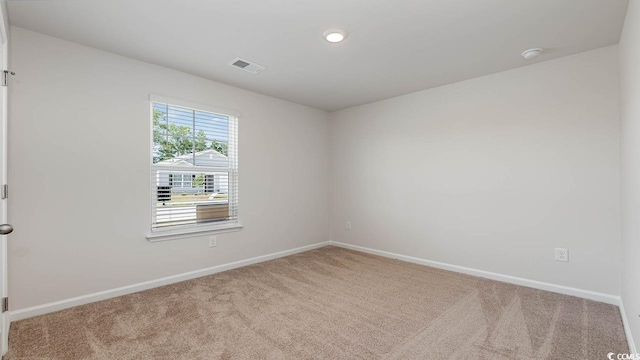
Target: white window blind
[(194, 171)]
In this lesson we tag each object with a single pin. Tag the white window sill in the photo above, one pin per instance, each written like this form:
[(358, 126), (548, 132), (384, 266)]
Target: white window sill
[(165, 235)]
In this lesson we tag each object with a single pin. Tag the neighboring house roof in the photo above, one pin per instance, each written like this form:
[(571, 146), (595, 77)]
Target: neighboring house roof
[(202, 158)]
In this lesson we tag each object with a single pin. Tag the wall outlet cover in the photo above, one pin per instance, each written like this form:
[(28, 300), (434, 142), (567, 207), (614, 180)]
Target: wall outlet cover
[(562, 254)]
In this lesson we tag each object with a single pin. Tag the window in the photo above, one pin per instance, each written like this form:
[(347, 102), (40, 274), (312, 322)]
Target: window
[(194, 171), (181, 180)]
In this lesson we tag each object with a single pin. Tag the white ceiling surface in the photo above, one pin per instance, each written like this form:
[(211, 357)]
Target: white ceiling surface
[(394, 47)]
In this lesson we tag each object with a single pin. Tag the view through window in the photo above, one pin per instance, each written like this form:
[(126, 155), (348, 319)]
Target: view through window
[(194, 171)]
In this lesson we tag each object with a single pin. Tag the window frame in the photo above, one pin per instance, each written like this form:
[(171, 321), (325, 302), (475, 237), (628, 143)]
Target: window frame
[(193, 230)]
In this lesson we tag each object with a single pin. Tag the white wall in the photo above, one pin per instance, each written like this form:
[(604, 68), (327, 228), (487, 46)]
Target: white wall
[(629, 56), (491, 173), (79, 172)]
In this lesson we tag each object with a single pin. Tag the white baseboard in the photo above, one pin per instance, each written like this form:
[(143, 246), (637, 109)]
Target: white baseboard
[(587, 294), (129, 289), (627, 329)]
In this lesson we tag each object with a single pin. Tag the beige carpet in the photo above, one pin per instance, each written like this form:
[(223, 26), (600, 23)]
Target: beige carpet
[(329, 303)]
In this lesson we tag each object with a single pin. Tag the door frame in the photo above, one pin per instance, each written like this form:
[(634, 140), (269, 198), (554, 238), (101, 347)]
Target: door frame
[(5, 318)]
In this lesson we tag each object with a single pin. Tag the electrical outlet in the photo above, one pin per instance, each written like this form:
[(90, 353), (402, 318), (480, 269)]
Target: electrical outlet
[(562, 254), (347, 225), (213, 241)]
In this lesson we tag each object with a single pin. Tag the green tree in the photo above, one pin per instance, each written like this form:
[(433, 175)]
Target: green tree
[(198, 180), (220, 147), (201, 141), (171, 140)]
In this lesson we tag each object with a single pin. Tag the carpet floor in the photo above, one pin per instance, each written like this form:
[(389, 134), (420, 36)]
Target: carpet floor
[(329, 303)]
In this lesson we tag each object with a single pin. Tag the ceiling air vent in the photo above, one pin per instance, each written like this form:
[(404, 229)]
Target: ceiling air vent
[(246, 65)]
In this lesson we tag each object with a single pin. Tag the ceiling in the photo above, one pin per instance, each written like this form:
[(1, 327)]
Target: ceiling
[(394, 47)]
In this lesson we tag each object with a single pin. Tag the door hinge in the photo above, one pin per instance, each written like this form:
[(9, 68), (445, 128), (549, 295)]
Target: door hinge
[(5, 191), (5, 304), (5, 77)]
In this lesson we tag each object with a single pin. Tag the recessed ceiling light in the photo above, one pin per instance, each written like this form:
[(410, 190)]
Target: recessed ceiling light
[(334, 35), (531, 53)]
